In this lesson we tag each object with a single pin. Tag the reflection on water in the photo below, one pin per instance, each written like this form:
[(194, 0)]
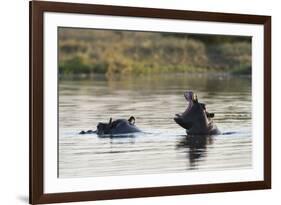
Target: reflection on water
[(164, 146), (196, 146)]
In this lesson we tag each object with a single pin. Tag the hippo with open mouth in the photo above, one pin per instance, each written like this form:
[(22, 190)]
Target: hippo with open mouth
[(195, 119), (116, 127)]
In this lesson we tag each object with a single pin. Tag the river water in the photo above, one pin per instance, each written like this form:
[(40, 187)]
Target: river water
[(153, 101)]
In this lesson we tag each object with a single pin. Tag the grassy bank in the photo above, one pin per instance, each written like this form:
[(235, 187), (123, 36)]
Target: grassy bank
[(85, 51)]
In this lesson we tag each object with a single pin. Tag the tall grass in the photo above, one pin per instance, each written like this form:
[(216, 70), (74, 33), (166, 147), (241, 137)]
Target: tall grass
[(88, 51)]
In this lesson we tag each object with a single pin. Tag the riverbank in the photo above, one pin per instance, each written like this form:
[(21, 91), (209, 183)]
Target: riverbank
[(153, 76), (90, 52)]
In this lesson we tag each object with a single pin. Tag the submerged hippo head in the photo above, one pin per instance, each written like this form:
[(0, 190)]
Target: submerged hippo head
[(195, 119), (120, 126)]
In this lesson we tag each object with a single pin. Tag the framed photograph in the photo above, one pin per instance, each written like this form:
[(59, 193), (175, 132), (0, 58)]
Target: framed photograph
[(138, 102)]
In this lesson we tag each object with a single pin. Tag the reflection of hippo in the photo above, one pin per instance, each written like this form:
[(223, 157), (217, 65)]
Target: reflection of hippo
[(116, 127), (196, 147), (195, 119)]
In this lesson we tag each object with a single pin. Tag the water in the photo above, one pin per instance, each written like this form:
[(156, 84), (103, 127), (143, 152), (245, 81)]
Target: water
[(153, 100)]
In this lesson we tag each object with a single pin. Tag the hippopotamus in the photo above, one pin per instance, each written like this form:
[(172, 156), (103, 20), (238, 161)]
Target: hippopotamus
[(195, 119), (116, 127)]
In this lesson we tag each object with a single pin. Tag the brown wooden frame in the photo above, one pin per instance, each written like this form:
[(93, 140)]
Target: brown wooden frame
[(36, 193)]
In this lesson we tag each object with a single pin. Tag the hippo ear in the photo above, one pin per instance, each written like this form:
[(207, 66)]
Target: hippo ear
[(110, 121), (210, 115), (132, 120)]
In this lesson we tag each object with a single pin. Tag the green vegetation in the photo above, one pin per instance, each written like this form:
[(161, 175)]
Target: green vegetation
[(88, 51)]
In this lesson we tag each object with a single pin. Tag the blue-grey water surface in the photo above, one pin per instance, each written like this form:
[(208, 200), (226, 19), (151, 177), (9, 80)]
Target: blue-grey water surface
[(164, 147)]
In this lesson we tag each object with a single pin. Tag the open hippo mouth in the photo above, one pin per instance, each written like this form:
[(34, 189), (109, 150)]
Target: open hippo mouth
[(183, 118), (190, 98)]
